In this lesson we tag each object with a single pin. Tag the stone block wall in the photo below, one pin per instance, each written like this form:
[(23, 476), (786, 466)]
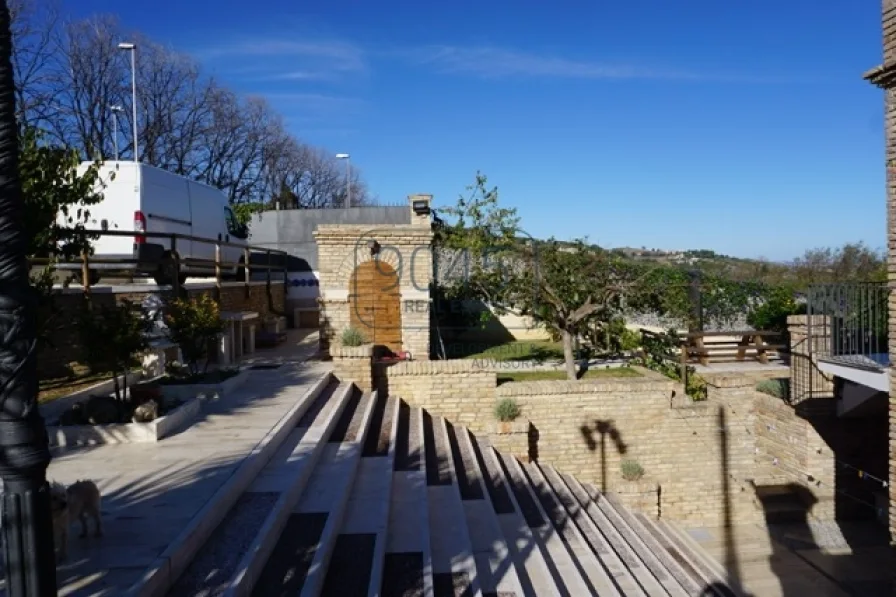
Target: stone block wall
[(513, 438), (789, 449), (586, 428), (458, 390), (407, 249), (63, 348), (354, 364)]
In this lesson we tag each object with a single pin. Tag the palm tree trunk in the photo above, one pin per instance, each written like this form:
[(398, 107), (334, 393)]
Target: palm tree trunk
[(24, 445)]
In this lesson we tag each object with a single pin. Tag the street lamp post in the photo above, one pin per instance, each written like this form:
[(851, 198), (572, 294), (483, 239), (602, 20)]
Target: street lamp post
[(348, 177), (115, 111), (24, 446), (132, 48)]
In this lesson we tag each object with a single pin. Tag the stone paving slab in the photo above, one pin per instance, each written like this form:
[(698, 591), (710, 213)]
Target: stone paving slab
[(152, 491)]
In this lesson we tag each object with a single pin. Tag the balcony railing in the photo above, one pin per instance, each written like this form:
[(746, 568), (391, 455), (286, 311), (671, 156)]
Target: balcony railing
[(847, 323)]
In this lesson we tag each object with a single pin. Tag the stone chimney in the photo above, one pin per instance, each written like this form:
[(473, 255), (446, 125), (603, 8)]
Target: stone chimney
[(421, 207)]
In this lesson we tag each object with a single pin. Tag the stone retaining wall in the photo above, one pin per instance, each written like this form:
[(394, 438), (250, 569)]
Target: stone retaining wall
[(587, 428)]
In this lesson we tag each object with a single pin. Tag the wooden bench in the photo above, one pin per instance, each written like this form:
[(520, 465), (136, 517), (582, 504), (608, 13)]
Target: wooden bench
[(704, 345)]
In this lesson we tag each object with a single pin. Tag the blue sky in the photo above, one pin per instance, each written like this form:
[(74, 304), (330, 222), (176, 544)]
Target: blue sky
[(744, 127)]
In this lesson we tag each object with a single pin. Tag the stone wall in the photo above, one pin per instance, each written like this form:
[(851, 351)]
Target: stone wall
[(407, 249), (889, 50), (587, 428), (459, 390), (354, 364), (884, 77), (64, 350)]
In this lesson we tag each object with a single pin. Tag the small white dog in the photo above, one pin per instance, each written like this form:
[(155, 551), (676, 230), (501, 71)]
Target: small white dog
[(77, 501)]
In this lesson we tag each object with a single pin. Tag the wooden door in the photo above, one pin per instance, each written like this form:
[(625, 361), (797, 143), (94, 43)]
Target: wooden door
[(375, 304)]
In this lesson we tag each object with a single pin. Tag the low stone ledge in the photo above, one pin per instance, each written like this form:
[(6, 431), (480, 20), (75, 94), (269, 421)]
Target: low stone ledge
[(511, 437), (205, 391), (585, 386), (126, 433), (364, 351), (642, 495), (449, 367), (509, 427)]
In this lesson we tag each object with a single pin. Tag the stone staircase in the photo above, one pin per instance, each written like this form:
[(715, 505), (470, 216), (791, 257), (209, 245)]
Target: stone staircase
[(368, 496)]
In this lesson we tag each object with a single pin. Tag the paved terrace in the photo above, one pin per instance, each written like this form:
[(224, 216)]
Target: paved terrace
[(151, 491)]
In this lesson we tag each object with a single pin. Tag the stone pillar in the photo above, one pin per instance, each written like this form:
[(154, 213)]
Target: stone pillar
[(884, 77), (406, 249), (419, 216), (511, 438), (354, 363)]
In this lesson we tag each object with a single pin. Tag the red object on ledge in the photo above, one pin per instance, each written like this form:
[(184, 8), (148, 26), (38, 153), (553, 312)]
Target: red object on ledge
[(395, 358)]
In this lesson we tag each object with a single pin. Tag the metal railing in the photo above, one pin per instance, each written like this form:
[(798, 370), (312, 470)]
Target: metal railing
[(218, 264), (848, 323)]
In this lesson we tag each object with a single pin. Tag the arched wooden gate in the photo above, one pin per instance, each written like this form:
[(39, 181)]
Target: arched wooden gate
[(375, 304)]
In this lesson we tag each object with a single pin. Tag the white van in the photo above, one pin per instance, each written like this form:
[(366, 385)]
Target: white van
[(142, 198)]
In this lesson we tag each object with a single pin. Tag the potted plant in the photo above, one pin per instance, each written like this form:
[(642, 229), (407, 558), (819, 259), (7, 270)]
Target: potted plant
[(507, 411), (194, 324)]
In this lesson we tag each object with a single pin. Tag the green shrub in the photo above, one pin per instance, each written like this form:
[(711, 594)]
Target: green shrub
[(112, 336), (772, 313), (193, 324), (507, 410), (352, 337), (779, 388), (631, 470)]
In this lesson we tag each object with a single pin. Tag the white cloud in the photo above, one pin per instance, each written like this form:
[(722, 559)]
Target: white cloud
[(291, 59), (492, 63)]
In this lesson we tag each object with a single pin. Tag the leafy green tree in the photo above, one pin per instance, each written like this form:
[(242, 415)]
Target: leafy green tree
[(567, 287), (472, 245), (111, 338), (193, 324), (57, 200), (244, 211)]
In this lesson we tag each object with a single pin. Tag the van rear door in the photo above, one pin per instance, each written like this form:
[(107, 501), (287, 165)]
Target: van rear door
[(165, 206)]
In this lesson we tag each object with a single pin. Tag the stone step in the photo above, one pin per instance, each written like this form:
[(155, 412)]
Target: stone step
[(453, 565), (231, 561), (637, 534), (708, 583), (575, 512), (327, 492), (627, 555), (222, 517), (494, 563), (708, 566), (565, 570), (535, 575), (407, 569), (299, 559), (361, 546), (663, 568), (586, 560)]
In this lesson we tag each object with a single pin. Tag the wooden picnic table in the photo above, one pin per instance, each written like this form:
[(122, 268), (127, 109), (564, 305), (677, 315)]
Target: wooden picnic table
[(694, 344)]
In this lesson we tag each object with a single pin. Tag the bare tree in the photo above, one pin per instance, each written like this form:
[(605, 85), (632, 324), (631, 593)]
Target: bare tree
[(72, 74), (33, 24), (89, 76)]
